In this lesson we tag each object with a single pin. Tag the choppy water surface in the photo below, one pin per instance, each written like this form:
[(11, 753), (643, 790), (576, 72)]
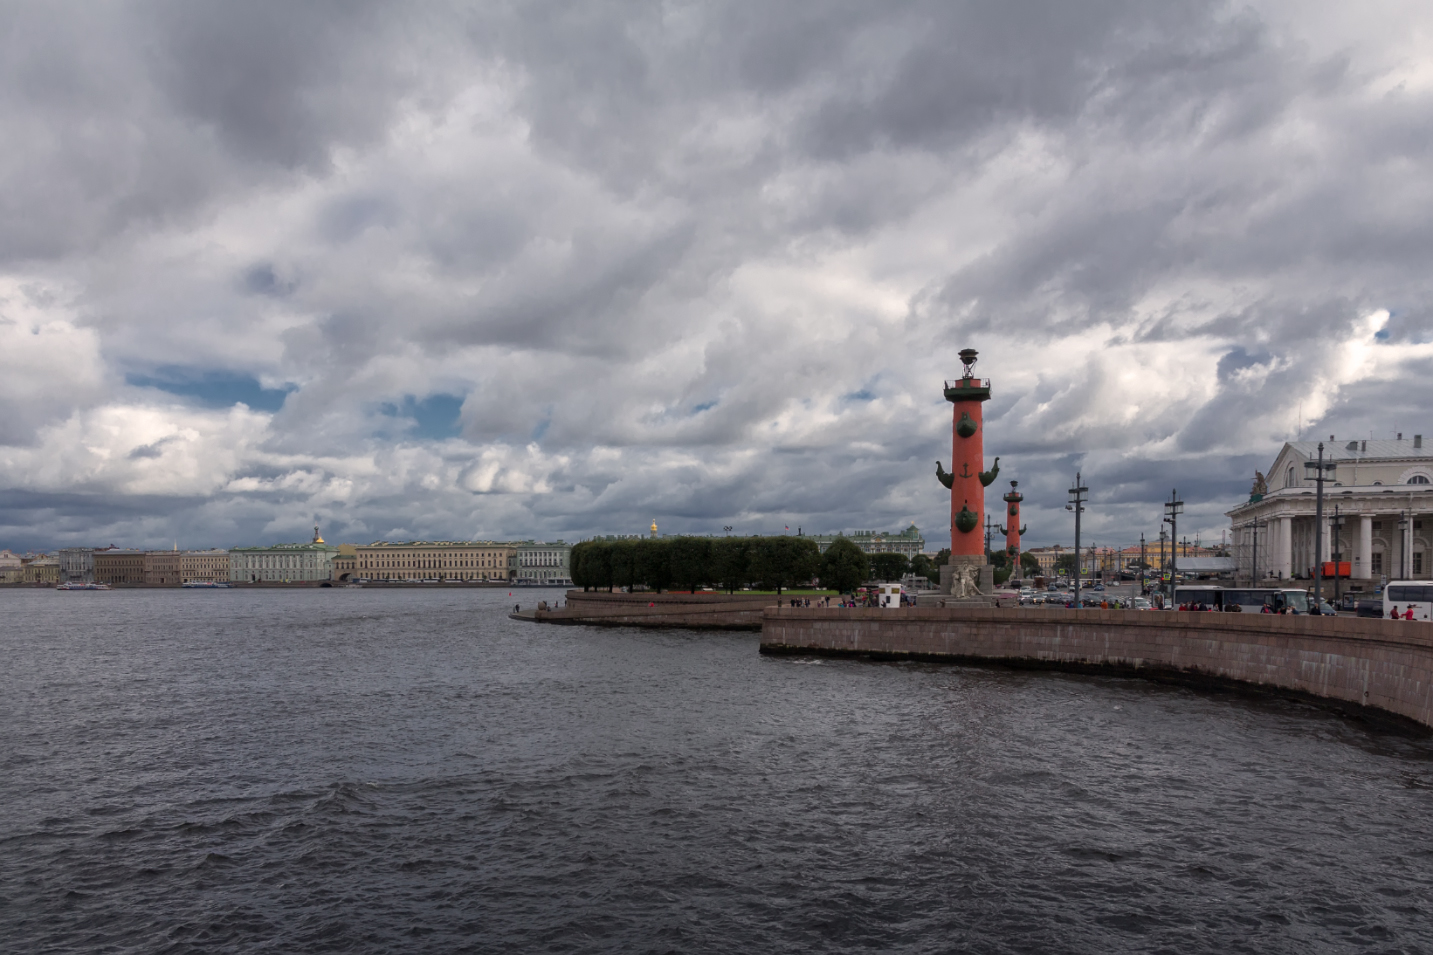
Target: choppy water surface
[(357, 770)]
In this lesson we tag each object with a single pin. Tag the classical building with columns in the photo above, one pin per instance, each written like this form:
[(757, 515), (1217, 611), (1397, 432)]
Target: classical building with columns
[(1382, 491)]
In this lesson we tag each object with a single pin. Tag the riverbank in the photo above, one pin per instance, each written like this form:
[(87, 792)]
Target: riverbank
[(1365, 666), (700, 611)]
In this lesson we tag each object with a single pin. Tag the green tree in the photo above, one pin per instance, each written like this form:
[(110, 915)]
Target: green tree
[(654, 563), (889, 566), (1030, 564), (1065, 564), (577, 566), (590, 564), (999, 559), (783, 562), (942, 557), (923, 566), (623, 559), (1002, 574), (844, 566), (691, 559), (802, 560), (731, 562)]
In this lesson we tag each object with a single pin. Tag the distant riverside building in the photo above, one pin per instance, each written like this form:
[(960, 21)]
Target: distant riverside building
[(1383, 491), (544, 563), (119, 566), (40, 570), (161, 568), (908, 542), (10, 568), (76, 564), (203, 566), (345, 562), (440, 560), (1097, 560), (283, 563), (1047, 556)]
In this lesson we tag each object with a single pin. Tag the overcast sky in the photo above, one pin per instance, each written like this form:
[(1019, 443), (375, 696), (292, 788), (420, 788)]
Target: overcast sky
[(550, 270)]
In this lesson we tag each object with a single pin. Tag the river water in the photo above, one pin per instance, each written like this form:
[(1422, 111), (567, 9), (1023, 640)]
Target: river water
[(411, 771)]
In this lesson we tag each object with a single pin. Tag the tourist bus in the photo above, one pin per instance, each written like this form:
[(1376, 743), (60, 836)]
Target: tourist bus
[(1402, 593), (1199, 597), (1255, 599), (1244, 599)]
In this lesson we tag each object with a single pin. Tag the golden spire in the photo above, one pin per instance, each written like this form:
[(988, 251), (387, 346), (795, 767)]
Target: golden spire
[(654, 528), (316, 538)]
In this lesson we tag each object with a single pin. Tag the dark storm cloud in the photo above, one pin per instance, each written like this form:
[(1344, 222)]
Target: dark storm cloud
[(548, 268)]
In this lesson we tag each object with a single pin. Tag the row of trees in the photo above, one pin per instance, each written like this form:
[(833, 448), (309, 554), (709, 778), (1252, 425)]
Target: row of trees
[(730, 563), (769, 563), (1029, 566)]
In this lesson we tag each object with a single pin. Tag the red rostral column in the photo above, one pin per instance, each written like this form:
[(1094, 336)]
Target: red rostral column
[(1013, 532), (966, 480)]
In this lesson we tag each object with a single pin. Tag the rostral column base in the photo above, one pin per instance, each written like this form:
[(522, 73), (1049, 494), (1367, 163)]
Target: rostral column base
[(967, 576)]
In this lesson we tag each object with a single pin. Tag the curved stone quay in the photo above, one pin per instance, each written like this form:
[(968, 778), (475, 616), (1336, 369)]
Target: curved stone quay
[(1363, 666)]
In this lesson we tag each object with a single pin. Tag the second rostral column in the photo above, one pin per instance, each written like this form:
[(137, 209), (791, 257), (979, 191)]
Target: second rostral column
[(968, 572)]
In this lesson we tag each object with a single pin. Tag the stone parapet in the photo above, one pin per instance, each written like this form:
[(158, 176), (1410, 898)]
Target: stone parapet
[(688, 611), (601, 598), (1365, 663)]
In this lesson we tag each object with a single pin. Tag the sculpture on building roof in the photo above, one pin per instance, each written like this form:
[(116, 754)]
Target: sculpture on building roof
[(1261, 486)]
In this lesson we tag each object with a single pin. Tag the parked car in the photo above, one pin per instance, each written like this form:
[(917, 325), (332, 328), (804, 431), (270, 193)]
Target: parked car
[(1370, 607)]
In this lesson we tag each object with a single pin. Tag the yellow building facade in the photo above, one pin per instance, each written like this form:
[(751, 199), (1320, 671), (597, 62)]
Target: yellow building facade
[(436, 560), (204, 566)]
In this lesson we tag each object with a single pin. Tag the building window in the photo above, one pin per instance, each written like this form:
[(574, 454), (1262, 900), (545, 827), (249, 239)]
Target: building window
[(1418, 479), (1418, 562), (1289, 478), (1376, 565)]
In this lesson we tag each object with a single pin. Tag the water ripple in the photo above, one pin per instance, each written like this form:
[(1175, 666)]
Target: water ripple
[(411, 771)]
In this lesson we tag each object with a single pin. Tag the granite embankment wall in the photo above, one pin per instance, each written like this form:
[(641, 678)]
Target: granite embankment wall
[(1378, 665), (693, 611)]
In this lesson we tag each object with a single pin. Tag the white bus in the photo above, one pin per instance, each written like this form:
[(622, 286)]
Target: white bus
[(1405, 593), (1199, 596), (1254, 599), (1243, 599)]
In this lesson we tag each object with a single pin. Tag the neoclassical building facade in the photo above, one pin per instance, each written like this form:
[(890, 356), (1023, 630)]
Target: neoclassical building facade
[(436, 560), (1381, 490)]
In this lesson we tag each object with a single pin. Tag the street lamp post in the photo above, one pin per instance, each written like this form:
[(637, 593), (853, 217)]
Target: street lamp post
[(1254, 560), (1172, 509), (1162, 562), (1319, 470), (1078, 495), (1142, 563), (1337, 523)]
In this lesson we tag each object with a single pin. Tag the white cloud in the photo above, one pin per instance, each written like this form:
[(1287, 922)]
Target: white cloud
[(677, 264)]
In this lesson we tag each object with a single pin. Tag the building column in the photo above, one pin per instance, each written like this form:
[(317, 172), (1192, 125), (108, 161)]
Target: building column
[(1405, 565), (1283, 547), (1363, 566)]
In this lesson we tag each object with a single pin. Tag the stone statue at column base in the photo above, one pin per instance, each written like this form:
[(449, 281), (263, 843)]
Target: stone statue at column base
[(967, 582)]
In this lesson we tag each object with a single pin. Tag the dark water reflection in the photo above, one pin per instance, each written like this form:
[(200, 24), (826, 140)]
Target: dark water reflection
[(411, 771)]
